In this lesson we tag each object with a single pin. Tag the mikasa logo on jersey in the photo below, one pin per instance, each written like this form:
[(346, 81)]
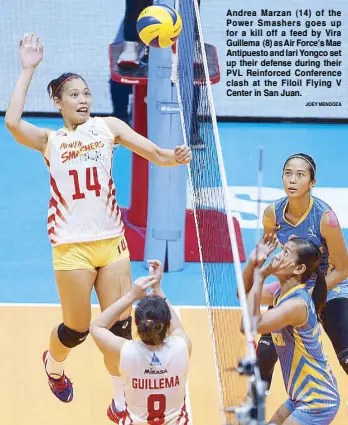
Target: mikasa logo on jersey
[(155, 371)]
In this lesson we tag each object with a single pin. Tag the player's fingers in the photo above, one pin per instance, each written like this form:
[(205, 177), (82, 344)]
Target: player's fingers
[(182, 160), (188, 155), (185, 150), (140, 281), (180, 156), (181, 149), (154, 263), (150, 283)]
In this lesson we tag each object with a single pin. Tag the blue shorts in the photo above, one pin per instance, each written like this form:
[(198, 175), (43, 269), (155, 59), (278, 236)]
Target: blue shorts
[(316, 417)]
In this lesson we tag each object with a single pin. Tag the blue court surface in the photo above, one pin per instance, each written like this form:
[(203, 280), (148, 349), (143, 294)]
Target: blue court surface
[(26, 274)]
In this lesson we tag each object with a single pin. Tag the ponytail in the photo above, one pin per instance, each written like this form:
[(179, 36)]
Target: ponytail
[(319, 293), (152, 332), (152, 317), (309, 254)]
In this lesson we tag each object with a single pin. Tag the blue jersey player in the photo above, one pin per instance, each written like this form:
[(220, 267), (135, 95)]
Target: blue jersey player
[(293, 323), (302, 215)]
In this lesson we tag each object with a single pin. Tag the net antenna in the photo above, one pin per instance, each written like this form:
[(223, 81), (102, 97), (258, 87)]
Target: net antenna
[(257, 235), (174, 74), (253, 411)]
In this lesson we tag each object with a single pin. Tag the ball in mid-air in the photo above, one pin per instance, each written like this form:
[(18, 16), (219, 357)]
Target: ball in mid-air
[(159, 26)]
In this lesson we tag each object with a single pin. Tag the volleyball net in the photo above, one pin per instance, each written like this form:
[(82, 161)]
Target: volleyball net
[(217, 230)]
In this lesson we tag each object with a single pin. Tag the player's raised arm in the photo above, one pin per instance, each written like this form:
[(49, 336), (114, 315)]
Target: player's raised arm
[(257, 258), (268, 221), (31, 53), (129, 138), (176, 327), (293, 312), (107, 342)]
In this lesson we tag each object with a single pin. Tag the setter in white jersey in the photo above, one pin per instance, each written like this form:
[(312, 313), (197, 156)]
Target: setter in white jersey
[(154, 367), (84, 221)]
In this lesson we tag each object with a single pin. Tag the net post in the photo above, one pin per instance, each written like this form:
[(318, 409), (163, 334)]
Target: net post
[(165, 234)]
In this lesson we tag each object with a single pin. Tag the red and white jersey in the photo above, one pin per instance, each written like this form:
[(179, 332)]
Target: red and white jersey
[(83, 206), (154, 382)]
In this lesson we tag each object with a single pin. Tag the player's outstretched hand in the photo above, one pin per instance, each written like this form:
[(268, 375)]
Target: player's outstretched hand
[(277, 264), (30, 51), (156, 270), (141, 285), (264, 249), (182, 154)]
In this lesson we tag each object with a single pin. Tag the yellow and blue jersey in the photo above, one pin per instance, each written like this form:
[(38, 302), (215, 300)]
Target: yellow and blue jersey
[(307, 376), (308, 227)]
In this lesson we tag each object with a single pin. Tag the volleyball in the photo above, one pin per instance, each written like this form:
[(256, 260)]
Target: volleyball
[(159, 26)]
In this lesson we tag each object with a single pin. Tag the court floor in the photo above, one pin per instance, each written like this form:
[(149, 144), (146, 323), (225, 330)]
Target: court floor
[(29, 299)]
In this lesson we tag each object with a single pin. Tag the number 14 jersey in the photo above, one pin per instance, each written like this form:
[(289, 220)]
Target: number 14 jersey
[(83, 205)]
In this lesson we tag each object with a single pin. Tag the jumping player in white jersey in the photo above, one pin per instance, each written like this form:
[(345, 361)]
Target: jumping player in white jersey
[(153, 368), (84, 221)]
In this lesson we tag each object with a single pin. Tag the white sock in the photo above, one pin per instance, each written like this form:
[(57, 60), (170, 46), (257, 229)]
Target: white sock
[(118, 393), (53, 367)]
